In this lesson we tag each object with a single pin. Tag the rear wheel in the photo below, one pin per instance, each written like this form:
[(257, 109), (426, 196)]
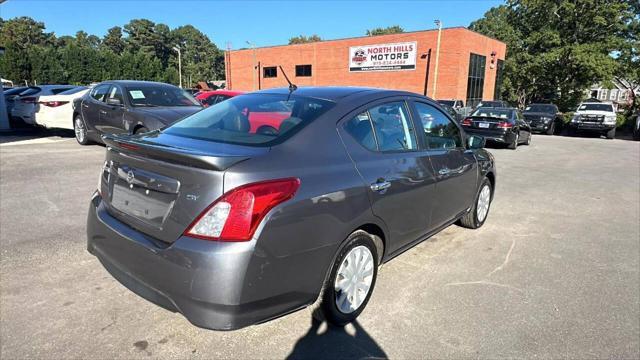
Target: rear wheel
[(80, 129), (552, 129), (476, 217), (348, 288), (611, 134), (528, 142), (514, 144)]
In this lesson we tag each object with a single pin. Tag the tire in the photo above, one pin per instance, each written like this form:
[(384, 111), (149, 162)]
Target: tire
[(335, 304), (474, 218), (551, 129), (140, 130), (611, 134), (528, 142), (80, 130), (514, 144)]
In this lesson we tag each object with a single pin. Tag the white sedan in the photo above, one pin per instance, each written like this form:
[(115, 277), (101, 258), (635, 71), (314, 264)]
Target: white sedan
[(26, 104), (56, 111)]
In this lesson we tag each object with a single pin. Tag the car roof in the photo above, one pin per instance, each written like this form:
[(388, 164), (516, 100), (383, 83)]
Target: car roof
[(334, 93), (134, 82)]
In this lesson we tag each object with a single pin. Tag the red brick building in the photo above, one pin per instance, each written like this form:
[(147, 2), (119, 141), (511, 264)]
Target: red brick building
[(469, 64)]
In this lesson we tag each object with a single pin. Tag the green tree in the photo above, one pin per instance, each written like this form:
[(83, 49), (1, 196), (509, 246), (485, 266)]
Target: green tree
[(302, 39), (113, 41), (557, 49), (395, 29)]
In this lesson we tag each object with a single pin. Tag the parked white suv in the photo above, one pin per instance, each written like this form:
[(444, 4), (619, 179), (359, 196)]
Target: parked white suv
[(594, 117)]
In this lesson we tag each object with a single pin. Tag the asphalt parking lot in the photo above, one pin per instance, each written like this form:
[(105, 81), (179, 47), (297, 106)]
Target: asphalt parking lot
[(554, 273)]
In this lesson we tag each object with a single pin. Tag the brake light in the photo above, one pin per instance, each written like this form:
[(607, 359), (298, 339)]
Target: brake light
[(236, 215), (28, 100), (505, 124), (466, 122), (128, 146), (53, 103)]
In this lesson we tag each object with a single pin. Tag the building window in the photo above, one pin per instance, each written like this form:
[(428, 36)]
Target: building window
[(475, 82), (603, 94), (613, 94), (497, 92), (269, 72), (303, 70)]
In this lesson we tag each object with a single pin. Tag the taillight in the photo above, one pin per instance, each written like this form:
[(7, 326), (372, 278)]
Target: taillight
[(53, 103), (236, 215), (28, 100), (128, 146), (505, 124), (466, 122)]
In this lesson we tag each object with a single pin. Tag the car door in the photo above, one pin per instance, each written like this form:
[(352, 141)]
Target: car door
[(524, 130), (93, 105), (382, 143), (112, 115), (455, 168)]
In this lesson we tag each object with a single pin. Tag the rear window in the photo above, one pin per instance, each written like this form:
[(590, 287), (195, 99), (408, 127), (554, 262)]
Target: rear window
[(254, 119), (73, 91), (31, 91), (596, 107), (493, 113), (57, 91)]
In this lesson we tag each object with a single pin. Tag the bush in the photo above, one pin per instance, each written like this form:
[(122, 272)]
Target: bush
[(567, 116), (621, 120)]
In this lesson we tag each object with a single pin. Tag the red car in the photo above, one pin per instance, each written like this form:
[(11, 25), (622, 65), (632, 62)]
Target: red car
[(208, 98)]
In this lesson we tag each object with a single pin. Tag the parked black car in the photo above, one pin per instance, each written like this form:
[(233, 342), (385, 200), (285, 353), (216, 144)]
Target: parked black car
[(129, 107), (543, 118), (493, 103), (232, 227), (502, 125)]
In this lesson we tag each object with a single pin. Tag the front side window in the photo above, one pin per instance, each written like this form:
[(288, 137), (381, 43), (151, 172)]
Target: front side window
[(115, 93), (303, 70), (440, 132), (152, 95), (253, 119), (100, 92)]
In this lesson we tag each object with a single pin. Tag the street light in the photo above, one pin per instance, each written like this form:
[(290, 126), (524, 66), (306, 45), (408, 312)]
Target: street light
[(435, 72), (177, 48), (255, 66)]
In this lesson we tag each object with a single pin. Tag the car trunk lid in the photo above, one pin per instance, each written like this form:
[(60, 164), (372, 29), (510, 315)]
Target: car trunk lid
[(486, 122), (159, 183)]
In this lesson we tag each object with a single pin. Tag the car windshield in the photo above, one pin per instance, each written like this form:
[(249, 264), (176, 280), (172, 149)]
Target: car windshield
[(153, 95), (596, 107), (254, 119), (543, 108), (73, 91), (493, 113), (447, 102)]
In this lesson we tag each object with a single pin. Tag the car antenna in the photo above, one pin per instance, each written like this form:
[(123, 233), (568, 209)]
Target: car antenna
[(292, 86)]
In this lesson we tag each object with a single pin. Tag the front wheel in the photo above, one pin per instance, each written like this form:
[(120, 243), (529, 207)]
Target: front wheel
[(528, 142), (477, 215), (348, 288), (611, 134), (552, 129), (80, 129), (514, 144)]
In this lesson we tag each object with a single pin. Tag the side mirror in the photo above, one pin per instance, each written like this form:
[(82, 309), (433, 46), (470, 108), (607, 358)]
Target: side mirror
[(476, 142), (114, 102)]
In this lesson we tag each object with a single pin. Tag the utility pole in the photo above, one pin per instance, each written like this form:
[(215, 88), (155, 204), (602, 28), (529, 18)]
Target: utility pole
[(177, 48), (255, 59), (435, 71)]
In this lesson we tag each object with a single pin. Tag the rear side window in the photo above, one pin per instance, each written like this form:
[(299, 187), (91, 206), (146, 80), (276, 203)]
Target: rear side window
[(254, 119), (440, 132), (384, 128), (360, 128), (100, 91)]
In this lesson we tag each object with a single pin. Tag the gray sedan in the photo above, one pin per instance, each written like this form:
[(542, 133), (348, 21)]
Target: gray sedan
[(231, 226)]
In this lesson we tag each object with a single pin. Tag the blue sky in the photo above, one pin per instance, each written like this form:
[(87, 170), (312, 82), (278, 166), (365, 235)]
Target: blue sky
[(261, 22)]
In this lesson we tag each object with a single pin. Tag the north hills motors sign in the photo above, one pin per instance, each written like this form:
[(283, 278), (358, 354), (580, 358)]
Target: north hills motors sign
[(383, 57)]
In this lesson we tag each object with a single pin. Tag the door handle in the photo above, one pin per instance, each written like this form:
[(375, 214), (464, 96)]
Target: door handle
[(444, 171), (380, 186), (85, 105), (103, 112)]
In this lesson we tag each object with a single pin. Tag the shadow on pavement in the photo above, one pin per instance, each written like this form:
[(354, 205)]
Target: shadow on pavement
[(324, 341), (29, 132)]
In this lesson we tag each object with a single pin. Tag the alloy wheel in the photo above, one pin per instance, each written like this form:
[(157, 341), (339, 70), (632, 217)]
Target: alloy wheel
[(484, 199), (353, 280), (80, 130)]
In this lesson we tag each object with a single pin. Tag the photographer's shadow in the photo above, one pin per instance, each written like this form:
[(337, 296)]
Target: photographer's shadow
[(332, 342)]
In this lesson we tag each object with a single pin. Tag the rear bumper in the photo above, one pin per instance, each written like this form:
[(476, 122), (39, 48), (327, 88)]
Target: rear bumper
[(208, 282), (505, 137)]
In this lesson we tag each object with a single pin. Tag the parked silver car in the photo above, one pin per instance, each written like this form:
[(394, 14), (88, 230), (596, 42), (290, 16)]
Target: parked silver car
[(232, 227)]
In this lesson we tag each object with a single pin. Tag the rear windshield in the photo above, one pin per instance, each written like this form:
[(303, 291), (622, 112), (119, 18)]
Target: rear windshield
[(596, 107), (543, 108), (253, 119), (153, 95), (73, 91), (493, 112), (31, 91), (491, 104)]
